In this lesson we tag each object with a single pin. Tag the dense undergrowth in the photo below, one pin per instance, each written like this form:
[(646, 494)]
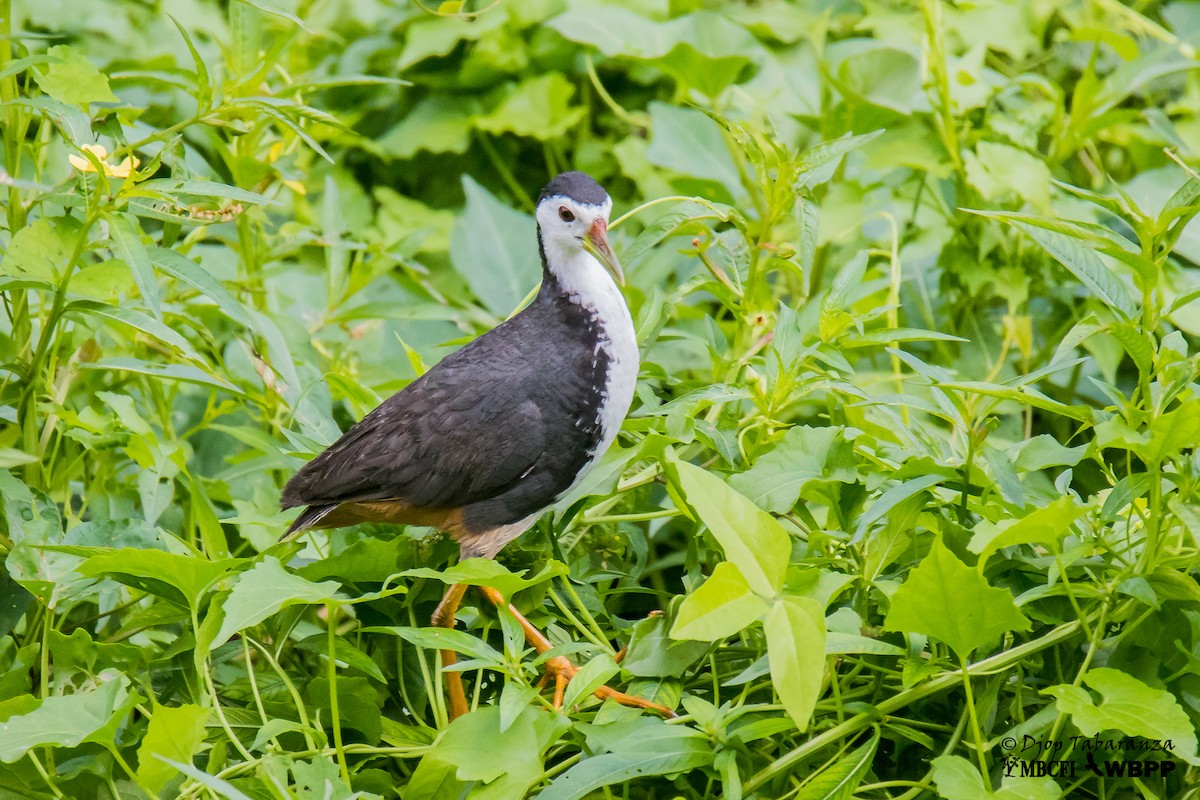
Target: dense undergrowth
[(911, 470)]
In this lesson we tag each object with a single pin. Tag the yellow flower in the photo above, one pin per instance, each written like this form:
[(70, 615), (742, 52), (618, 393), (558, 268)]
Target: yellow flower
[(122, 170)]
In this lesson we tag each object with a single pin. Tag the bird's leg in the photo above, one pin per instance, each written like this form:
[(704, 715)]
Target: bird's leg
[(443, 617), (562, 669)]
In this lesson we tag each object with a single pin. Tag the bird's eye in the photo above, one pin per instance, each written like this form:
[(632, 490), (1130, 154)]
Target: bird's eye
[(565, 214)]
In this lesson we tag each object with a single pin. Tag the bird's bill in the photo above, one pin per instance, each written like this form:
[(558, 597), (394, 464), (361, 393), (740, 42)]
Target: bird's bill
[(596, 243)]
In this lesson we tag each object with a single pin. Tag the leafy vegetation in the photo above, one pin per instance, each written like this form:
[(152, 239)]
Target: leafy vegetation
[(911, 473)]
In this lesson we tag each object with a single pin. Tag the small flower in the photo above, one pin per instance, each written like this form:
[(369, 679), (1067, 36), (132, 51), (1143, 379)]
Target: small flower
[(122, 170)]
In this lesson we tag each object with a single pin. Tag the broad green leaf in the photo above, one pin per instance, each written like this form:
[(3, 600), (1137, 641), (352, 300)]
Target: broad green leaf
[(139, 321), (691, 143), (948, 600), (720, 607), (1137, 343), (777, 478), (795, 629), (1076, 255), (1025, 395), (489, 572), (893, 497), (175, 734), (437, 124), (64, 720), (185, 191), (343, 651), (508, 761), (752, 540), (876, 72), (185, 373), (184, 269), (958, 779), (819, 163), (687, 214), (181, 579), (494, 249), (656, 749), (442, 639), (537, 107), (652, 653), (40, 250), (1003, 173), (840, 780), (217, 786), (261, 592), (1172, 432), (126, 237), (1045, 525), (591, 676), (1129, 706), (72, 79)]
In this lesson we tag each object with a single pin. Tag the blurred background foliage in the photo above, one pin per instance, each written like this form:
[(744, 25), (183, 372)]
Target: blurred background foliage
[(911, 469)]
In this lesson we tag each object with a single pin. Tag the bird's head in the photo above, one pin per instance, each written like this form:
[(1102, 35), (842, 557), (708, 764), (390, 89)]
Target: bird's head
[(572, 216)]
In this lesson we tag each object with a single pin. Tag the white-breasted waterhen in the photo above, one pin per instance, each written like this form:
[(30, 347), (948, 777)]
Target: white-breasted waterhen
[(495, 433)]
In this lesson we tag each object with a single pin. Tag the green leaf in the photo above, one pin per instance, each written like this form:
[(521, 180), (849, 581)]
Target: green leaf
[(948, 600), (591, 676), (126, 237), (39, 250), (537, 107), (1172, 432), (181, 579), (1025, 395), (720, 607), (776, 480), (139, 321), (184, 269), (261, 592), (509, 761), (756, 544), (489, 572), (175, 734), (795, 629), (958, 779), (65, 720), (442, 639), (72, 80), (185, 373), (437, 124), (1044, 525), (1129, 706), (1075, 254), (343, 651), (691, 143), (655, 749), (1004, 173), (492, 247), (840, 780)]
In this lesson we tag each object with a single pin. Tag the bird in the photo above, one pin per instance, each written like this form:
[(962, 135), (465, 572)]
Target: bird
[(495, 433)]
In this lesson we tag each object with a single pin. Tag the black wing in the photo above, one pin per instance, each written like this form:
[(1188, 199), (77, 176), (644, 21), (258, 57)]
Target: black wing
[(466, 431)]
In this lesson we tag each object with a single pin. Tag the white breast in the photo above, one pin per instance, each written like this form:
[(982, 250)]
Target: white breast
[(584, 279)]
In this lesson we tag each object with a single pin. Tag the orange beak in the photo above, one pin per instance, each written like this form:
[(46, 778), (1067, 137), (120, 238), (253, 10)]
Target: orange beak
[(597, 244)]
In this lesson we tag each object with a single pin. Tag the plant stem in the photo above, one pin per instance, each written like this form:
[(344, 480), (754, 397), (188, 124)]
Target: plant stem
[(331, 612), (976, 731)]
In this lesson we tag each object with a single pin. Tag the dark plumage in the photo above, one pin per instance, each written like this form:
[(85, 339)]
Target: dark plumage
[(495, 431)]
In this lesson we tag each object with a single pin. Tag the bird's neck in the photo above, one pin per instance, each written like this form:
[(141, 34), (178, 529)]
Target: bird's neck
[(572, 273)]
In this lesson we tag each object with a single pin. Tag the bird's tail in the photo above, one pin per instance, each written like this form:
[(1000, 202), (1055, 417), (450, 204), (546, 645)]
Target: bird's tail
[(309, 518)]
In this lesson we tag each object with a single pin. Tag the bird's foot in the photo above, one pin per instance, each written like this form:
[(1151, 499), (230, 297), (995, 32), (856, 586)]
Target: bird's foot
[(562, 671)]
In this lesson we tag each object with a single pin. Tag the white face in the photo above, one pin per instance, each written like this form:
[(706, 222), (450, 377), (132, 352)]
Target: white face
[(565, 223)]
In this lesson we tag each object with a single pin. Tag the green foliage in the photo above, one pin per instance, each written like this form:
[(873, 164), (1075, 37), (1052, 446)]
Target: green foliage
[(911, 471)]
